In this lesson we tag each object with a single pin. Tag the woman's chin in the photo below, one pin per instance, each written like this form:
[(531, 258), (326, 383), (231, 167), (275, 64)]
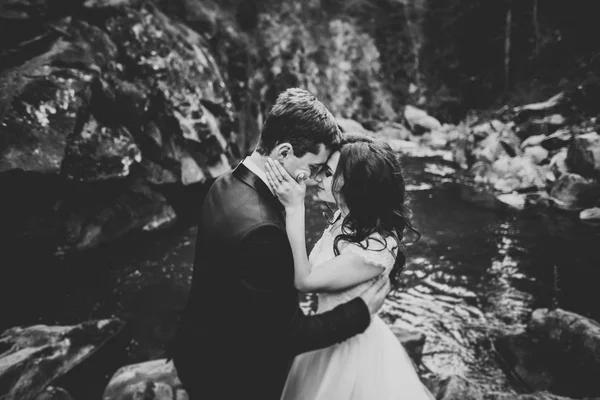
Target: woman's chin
[(323, 198)]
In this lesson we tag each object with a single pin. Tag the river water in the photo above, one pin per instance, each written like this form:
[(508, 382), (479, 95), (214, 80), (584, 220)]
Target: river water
[(476, 271)]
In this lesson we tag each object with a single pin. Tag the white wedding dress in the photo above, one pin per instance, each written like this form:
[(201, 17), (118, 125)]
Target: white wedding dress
[(369, 366)]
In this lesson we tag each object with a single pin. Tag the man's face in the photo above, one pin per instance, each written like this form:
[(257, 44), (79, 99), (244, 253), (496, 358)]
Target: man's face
[(324, 179), (308, 165)]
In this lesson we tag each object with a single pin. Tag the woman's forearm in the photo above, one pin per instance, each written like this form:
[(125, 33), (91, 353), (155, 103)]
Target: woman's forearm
[(295, 227)]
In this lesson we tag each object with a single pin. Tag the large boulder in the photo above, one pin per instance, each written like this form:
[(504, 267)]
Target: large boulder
[(590, 214), (54, 393), (419, 121), (92, 217), (559, 351), (455, 387), (150, 380), (584, 155), (116, 101), (537, 154), (558, 163), (33, 357), (497, 144), (574, 192), (40, 104), (507, 173)]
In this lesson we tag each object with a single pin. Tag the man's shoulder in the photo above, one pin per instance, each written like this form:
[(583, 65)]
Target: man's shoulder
[(240, 205)]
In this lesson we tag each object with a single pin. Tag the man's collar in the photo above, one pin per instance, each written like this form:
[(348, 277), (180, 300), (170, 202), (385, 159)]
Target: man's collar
[(252, 179), (251, 165)]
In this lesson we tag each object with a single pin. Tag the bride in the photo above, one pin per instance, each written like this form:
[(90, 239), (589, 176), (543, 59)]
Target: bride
[(364, 179)]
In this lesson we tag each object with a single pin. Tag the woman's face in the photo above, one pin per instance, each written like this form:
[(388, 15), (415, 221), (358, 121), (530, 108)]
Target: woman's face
[(325, 179)]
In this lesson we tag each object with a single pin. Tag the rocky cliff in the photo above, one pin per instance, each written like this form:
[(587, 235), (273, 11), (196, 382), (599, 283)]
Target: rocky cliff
[(110, 109)]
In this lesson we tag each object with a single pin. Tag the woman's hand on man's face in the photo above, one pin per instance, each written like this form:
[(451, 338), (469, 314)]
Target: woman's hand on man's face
[(288, 190)]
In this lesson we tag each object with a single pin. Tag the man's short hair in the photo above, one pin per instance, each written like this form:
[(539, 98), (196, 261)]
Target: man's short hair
[(303, 121)]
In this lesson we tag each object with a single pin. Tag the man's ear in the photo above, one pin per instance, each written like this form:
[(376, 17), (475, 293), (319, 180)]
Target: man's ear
[(283, 151)]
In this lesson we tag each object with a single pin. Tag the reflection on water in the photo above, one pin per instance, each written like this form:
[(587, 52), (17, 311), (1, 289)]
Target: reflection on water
[(475, 272)]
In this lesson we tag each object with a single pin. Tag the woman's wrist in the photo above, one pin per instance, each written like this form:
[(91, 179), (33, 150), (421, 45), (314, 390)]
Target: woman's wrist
[(295, 209)]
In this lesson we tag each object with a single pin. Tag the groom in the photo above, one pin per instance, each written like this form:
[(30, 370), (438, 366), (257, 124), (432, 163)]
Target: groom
[(243, 325)]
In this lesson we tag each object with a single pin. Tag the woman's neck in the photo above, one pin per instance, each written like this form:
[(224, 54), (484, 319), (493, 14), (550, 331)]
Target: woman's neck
[(343, 211)]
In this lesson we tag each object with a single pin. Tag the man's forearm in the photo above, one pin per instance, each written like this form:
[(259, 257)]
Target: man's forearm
[(307, 333)]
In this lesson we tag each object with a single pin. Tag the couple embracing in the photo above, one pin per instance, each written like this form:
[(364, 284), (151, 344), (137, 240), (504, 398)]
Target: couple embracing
[(243, 334)]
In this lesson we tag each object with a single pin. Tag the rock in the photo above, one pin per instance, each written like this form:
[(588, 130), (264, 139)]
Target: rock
[(157, 174), (79, 108), (540, 198), (485, 129), (435, 139), (534, 140), (110, 3), (188, 91), (462, 145), (554, 119), (520, 353), (536, 153), (190, 171), (104, 213), (558, 163), (544, 107), (511, 173), (54, 393), (419, 121), (590, 214), (151, 380), (513, 200), (439, 170), (203, 16), (402, 146), (38, 111), (497, 144), (574, 192), (557, 140), (544, 126), (118, 100), (454, 387), (559, 352), (98, 152), (392, 131), (583, 157), (33, 357), (220, 167), (79, 81), (43, 98)]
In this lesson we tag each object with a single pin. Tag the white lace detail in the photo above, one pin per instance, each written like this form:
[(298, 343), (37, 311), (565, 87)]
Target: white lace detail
[(375, 250), (375, 254)]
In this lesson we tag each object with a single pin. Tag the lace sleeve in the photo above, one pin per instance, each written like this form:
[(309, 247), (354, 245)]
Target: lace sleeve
[(375, 250)]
